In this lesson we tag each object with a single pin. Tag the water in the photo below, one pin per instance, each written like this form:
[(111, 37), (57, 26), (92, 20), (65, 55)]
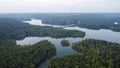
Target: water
[(102, 34), (60, 49), (39, 22), (116, 23)]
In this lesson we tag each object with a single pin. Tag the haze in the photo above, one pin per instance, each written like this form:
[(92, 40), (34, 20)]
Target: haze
[(34, 6)]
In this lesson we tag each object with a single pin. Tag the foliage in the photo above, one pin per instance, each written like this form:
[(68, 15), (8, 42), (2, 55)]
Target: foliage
[(85, 20), (65, 42), (92, 54), (16, 56), (14, 29)]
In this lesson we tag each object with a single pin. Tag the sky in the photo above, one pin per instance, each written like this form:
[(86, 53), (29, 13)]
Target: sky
[(44, 6)]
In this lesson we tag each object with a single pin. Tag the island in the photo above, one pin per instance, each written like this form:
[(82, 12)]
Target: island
[(65, 42)]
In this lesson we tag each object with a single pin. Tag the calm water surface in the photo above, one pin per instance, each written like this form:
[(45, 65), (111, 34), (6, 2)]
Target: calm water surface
[(102, 34)]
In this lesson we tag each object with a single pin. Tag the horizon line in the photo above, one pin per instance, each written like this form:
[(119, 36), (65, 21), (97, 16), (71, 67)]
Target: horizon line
[(50, 12)]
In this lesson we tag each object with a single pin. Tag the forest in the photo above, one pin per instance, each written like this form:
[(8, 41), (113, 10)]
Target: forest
[(15, 29), (29, 56), (92, 54), (90, 21), (85, 20)]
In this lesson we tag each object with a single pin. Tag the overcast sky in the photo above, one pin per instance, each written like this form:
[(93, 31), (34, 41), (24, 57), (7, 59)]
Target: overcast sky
[(21, 6)]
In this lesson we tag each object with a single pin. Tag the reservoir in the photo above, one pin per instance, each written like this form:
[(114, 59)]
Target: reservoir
[(102, 34)]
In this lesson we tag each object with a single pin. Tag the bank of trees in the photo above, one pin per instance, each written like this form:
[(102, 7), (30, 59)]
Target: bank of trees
[(91, 21), (14, 29), (85, 20), (16, 56), (92, 54)]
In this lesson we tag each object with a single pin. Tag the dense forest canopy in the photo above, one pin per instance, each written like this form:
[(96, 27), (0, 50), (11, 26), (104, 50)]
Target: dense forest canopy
[(92, 54), (15, 56), (15, 29), (86, 20)]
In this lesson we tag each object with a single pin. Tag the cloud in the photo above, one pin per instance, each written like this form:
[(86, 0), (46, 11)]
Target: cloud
[(59, 6)]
